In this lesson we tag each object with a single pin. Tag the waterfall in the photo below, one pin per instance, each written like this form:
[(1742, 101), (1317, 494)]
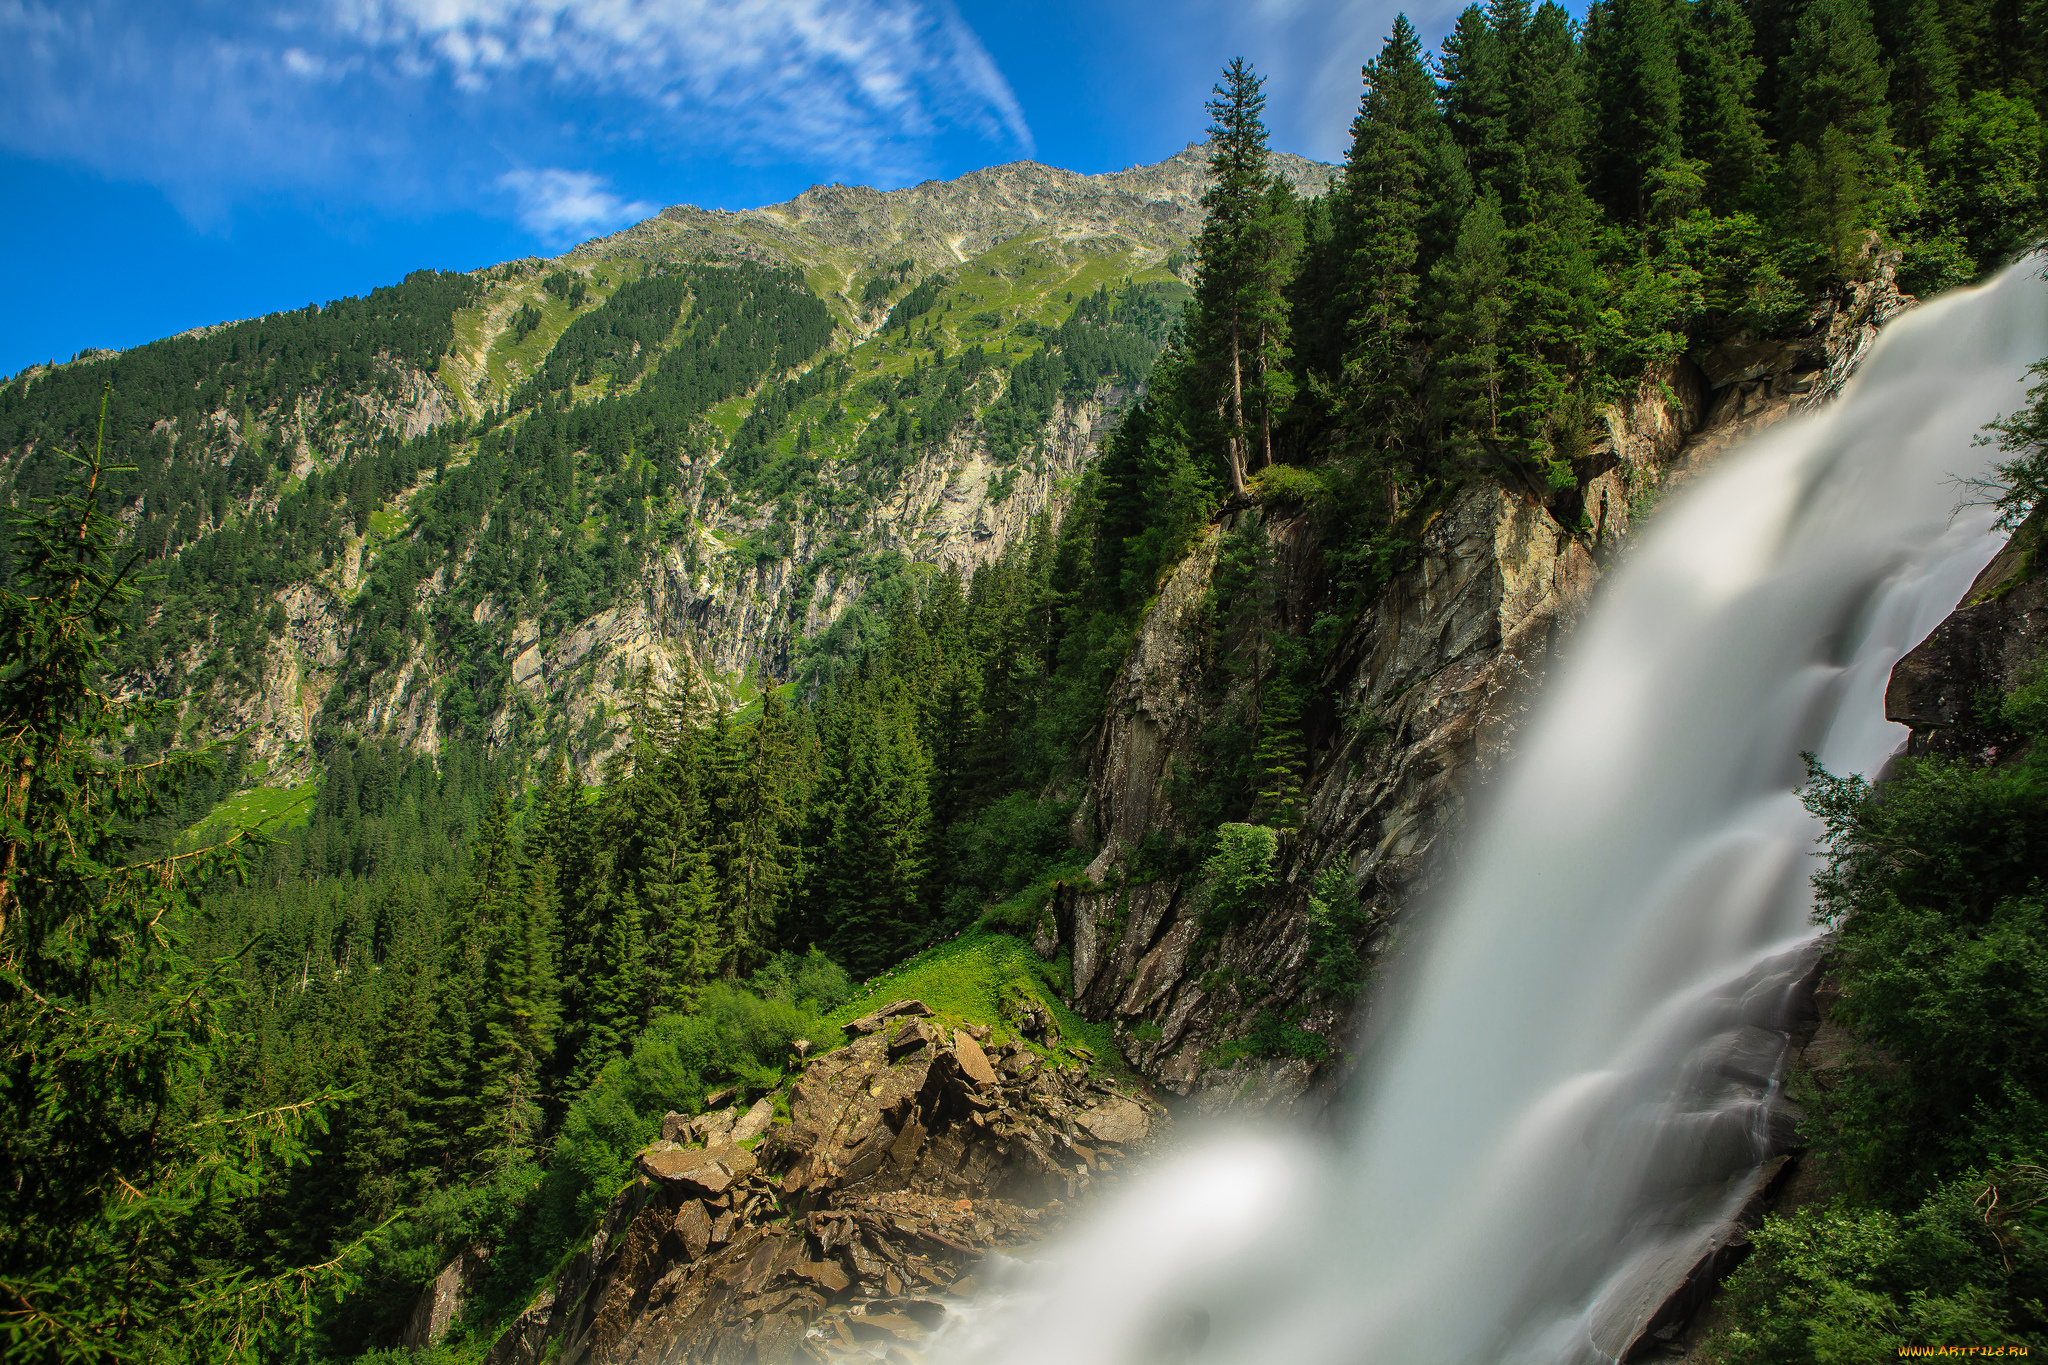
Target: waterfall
[(1578, 1082)]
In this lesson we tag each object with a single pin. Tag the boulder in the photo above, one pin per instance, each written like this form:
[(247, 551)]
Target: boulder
[(829, 1276), (1118, 1121), (713, 1130), (914, 1035), (973, 1061), (697, 1174), (693, 1229), (872, 1023), (755, 1121)]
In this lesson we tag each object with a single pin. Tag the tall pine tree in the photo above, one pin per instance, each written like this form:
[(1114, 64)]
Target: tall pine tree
[(1249, 239)]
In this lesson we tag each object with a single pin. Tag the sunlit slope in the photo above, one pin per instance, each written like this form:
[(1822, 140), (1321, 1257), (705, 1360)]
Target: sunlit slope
[(488, 508)]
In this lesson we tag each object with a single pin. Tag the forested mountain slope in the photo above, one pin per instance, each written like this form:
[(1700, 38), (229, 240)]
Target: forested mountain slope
[(471, 507)]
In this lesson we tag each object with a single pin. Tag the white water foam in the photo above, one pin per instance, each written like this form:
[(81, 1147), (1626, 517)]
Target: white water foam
[(1578, 1080)]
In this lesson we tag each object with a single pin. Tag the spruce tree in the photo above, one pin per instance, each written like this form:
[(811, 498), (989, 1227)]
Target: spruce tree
[(880, 835), (1478, 103), (1249, 238), (1469, 294), (1723, 128), (754, 857), (1378, 228), (617, 1002), (1922, 89), (522, 1003), (1551, 288), (1838, 123), (119, 1173), (394, 1131), (1636, 79)]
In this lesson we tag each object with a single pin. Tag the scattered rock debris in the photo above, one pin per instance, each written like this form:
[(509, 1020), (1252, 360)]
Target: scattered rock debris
[(908, 1156)]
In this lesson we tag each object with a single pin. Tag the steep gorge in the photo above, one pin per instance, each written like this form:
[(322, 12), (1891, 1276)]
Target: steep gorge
[(1428, 683)]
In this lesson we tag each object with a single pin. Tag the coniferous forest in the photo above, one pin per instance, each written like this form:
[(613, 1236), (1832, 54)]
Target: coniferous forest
[(257, 1092)]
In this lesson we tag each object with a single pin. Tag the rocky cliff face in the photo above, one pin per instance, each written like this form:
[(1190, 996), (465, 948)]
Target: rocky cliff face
[(737, 623), (1432, 680)]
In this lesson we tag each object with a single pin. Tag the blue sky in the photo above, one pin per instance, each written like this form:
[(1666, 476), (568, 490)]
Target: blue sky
[(173, 164)]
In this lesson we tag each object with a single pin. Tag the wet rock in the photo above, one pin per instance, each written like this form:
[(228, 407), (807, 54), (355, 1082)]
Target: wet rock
[(1983, 649), (697, 1174), (885, 1326)]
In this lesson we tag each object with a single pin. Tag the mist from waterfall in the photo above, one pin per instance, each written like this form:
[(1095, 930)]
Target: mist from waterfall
[(1578, 1078)]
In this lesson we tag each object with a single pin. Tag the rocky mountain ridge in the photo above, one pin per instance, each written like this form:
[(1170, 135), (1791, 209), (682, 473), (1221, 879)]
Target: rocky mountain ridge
[(836, 233)]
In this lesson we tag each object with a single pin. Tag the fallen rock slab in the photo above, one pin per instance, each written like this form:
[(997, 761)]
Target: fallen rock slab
[(872, 1023), (697, 1174), (755, 1121), (973, 1062)]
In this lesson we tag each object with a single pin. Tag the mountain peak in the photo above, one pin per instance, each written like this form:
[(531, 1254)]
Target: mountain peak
[(838, 233)]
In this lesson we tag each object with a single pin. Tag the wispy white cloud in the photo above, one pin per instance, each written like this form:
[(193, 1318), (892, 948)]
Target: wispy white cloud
[(561, 206), (412, 101), (843, 78)]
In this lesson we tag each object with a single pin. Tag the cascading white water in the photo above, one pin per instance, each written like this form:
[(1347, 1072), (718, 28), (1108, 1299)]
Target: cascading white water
[(1579, 1077)]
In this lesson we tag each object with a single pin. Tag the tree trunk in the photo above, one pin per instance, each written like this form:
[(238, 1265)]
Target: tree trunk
[(1236, 437)]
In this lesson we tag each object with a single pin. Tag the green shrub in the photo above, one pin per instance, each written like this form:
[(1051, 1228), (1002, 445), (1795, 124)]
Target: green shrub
[(1335, 920), (1935, 883), (1239, 869), (1275, 1035), (533, 1218), (1015, 844), (1281, 485), (1845, 1282)]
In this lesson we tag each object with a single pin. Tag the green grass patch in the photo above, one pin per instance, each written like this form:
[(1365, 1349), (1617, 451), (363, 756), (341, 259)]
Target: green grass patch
[(384, 522), (270, 809), (965, 981), (728, 415)]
